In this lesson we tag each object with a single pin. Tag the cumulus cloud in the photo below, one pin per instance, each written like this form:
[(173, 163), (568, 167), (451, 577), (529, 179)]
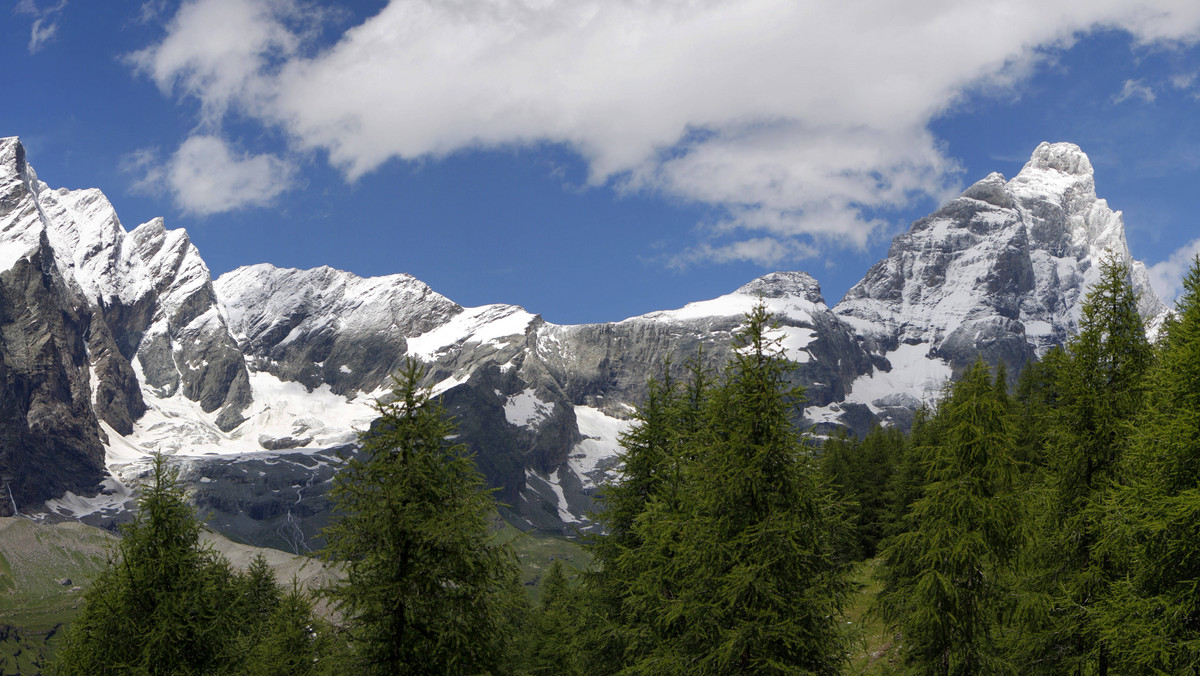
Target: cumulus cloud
[(1167, 277), (218, 51), (45, 22), (206, 176), (795, 120)]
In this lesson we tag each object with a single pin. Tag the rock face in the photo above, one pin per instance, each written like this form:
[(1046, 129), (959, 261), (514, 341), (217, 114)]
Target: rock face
[(116, 344), (90, 316), (1000, 271)]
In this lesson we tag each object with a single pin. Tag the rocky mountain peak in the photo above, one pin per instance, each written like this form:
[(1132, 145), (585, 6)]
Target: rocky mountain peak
[(1000, 271), (258, 380), (1065, 158), (794, 284), (992, 189), (12, 156)]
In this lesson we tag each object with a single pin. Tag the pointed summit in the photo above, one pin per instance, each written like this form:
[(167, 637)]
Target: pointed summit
[(1066, 158), (999, 271)]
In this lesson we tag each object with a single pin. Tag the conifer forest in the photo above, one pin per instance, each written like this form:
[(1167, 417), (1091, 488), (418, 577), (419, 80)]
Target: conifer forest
[(1043, 524)]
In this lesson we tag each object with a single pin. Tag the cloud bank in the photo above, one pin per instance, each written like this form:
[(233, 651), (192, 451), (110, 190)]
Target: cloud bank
[(799, 122)]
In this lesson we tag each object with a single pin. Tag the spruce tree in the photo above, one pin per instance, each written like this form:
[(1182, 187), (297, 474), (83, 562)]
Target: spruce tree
[(947, 577), (426, 589), (1151, 619)]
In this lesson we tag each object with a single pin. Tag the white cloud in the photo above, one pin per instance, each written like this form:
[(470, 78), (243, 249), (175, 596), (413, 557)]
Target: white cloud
[(1167, 277), (205, 176), (1135, 89), (765, 251), (795, 119), (45, 22), (1183, 80), (218, 51)]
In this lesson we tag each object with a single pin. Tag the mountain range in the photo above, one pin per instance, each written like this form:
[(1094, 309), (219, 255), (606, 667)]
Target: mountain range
[(118, 343)]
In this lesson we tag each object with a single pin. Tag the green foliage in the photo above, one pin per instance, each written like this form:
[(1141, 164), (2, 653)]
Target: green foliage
[(166, 604), (426, 588), (553, 646), (293, 641), (947, 577), (654, 452), (862, 475), (1151, 620), (730, 561), (1085, 417)]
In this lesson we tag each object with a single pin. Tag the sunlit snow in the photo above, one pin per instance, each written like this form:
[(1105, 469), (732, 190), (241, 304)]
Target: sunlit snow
[(525, 409)]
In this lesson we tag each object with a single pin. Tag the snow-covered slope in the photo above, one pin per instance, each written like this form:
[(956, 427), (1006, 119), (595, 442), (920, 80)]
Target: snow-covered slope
[(257, 382), (1000, 271)]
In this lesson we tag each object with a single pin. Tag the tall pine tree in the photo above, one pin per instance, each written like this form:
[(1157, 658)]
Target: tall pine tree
[(747, 551), (632, 578), (166, 604), (1098, 390)]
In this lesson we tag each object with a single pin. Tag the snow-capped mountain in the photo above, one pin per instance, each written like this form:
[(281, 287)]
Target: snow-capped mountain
[(118, 343), (1000, 271)]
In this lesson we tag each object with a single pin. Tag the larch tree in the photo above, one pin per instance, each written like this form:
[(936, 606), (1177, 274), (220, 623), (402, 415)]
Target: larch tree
[(1150, 621), (947, 576), (631, 578), (166, 604), (426, 588), (1098, 391), (750, 547)]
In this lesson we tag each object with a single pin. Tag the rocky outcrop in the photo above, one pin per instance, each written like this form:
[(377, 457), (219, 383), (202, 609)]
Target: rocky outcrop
[(83, 302)]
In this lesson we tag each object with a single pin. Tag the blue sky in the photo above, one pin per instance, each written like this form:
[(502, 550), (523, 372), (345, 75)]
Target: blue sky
[(596, 159)]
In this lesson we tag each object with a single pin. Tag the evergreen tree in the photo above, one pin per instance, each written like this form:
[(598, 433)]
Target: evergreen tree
[(165, 604), (426, 590), (553, 646), (746, 551), (861, 473), (1151, 619), (629, 583), (294, 642), (947, 576), (1035, 400), (908, 480), (258, 594), (1098, 390)]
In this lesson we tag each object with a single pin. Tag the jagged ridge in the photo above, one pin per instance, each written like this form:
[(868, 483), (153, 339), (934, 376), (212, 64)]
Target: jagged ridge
[(257, 380)]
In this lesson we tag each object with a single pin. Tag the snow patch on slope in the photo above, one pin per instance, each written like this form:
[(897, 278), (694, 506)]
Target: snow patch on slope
[(178, 426), (525, 409), (914, 373), (111, 499), (488, 324), (593, 458)]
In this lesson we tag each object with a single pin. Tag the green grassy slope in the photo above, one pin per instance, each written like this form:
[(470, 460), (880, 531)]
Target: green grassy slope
[(44, 569)]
